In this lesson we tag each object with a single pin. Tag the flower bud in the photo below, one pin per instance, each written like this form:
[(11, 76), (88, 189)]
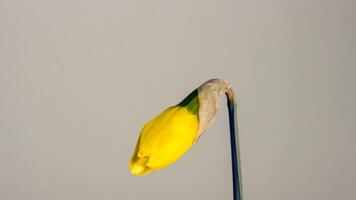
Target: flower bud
[(164, 139)]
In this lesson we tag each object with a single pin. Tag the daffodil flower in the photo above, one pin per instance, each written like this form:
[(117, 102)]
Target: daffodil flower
[(165, 138)]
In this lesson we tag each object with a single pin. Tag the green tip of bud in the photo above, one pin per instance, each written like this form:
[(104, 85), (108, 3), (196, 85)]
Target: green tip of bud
[(191, 102)]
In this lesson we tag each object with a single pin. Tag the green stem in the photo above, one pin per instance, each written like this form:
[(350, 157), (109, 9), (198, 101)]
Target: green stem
[(235, 148)]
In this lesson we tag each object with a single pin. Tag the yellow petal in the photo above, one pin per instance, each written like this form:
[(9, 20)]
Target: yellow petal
[(164, 139)]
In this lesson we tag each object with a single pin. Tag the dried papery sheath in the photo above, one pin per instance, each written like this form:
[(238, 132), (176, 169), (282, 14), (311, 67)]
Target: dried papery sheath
[(209, 101)]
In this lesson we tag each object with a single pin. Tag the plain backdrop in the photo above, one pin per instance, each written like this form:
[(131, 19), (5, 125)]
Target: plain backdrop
[(79, 78)]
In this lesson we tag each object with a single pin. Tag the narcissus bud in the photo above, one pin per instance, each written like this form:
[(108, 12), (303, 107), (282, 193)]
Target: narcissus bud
[(164, 139)]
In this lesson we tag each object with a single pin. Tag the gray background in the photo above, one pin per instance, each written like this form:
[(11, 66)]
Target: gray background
[(79, 78)]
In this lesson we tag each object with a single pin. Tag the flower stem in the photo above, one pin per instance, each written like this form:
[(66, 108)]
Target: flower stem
[(235, 149)]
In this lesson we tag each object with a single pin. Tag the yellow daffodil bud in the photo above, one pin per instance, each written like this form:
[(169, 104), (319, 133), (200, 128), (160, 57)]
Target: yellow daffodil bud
[(164, 139)]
